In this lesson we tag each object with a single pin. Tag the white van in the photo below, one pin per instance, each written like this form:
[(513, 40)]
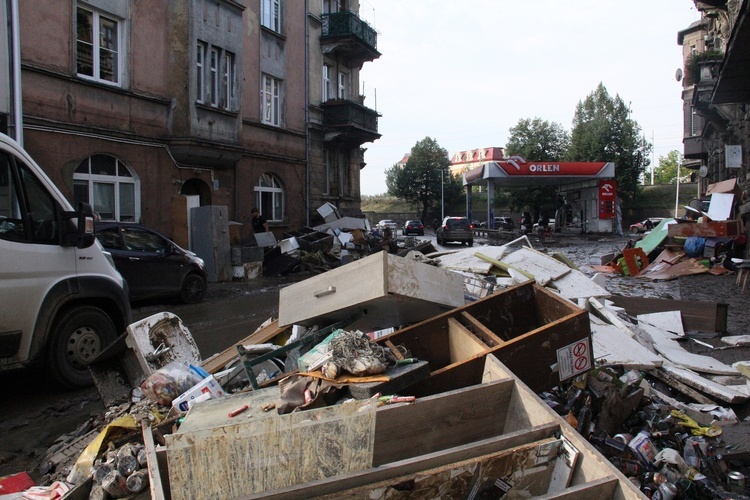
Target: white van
[(61, 299)]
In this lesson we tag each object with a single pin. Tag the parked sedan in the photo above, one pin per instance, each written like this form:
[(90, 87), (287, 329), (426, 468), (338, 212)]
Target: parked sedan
[(152, 264), (388, 223), (645, 225), (413, 227)]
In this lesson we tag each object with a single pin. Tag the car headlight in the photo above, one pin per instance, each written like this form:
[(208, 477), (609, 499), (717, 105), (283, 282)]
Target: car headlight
[(109, 258), (200, 261)]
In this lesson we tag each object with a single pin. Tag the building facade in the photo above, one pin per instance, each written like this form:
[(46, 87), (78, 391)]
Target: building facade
[(129, 104), (716, 97)]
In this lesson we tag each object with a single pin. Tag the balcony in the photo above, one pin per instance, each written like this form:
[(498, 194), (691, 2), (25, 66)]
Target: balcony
[(349, 122), (693, 148), (346, 35)]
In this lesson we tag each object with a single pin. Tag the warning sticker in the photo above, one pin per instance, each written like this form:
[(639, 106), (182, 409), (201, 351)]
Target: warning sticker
[(574, 359)]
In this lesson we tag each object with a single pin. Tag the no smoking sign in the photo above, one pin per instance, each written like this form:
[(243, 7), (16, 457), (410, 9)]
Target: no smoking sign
[(574, 359)]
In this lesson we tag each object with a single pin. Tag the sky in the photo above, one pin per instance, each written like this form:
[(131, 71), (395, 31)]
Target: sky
[(465, 72)]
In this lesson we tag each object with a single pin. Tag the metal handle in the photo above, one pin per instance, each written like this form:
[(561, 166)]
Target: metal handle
[(323, 293)]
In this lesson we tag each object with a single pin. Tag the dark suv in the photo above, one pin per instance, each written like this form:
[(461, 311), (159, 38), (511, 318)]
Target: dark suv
[(455, 229)]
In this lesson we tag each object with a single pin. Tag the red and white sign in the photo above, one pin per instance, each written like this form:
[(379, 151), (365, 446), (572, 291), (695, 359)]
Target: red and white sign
[(607, 198), (574, 359), (517, 166)]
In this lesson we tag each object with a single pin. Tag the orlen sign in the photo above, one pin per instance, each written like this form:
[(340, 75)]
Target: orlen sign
[(517, 166), (607, 198)]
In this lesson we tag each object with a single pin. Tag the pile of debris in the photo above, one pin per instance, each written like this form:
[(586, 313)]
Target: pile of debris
[(503, 371)]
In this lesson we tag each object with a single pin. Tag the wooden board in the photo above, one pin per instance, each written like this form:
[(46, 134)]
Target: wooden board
[(722, 392), (237, 460), (710, 229), (541, 266), (696, 315), (613, 346), (659, 326), (260, 336)]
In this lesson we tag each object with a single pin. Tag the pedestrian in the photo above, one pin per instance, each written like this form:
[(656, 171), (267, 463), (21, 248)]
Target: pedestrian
[(260, 224)]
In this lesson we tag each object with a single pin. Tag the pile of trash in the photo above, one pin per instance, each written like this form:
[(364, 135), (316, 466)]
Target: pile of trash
[(682, 450)]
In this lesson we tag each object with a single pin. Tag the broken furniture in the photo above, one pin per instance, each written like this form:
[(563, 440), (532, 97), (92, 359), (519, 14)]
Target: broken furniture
[(543, 338), (492, 433), (388, 290)]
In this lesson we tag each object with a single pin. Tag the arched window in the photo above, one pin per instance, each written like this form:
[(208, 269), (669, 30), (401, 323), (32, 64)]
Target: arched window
[(109, 187), (269, 197)]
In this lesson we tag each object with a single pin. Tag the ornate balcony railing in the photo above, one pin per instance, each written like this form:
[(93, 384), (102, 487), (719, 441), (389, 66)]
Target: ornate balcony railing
[(339, 24), (357, 123)]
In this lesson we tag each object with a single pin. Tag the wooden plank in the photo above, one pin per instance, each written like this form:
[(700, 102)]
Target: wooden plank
[(154, 477), (542, 267), (612, 345), (593, 490), (480, 330), (449, 419), (658, 326), (334, 485), (527, 468), (260, 336), (723, 392), (675, 383), (696, 315), (462, 344)]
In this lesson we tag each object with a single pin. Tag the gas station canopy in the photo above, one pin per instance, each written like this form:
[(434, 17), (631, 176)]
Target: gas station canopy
[(515, 171)]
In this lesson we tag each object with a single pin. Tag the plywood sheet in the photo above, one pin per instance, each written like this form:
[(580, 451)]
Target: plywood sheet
[(466, 260), (543, 267), (664, 328), (256, 455), (617, 347)]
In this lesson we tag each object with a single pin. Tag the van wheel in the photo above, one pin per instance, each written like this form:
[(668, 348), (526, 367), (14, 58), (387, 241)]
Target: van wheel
[(193, 289), (79, 335), (470, 243)]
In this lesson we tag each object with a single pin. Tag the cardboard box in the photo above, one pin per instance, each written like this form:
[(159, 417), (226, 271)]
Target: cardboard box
[(208, 385)]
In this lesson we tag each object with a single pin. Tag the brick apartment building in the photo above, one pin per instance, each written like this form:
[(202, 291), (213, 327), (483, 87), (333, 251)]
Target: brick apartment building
[(130, 104)]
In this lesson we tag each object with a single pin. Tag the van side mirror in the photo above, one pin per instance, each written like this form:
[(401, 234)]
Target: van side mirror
[(85, 231)]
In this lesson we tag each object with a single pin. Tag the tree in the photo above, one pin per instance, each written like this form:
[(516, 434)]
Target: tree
[(419, 182), (535, 140), (604, 131), (666, 172)]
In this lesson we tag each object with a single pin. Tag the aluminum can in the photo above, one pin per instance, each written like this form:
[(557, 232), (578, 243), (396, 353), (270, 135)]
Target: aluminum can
[(666, 491), (736, 482)]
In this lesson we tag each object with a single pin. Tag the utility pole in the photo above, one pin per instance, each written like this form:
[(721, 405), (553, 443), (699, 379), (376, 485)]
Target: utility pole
[(653, 164)]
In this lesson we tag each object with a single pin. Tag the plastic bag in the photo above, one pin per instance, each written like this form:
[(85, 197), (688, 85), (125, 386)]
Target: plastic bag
[(168, 382), (694, 246)]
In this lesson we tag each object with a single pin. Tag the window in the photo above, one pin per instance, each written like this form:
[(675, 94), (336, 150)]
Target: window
[(693, 122), (344, 174), (98, 46), (343, 90), (31, 218), (200, 57), (330, 6), (270, 14), (326, 82), (269, 197), (214, 78), (227, 81), (270, 101), (109, 187)]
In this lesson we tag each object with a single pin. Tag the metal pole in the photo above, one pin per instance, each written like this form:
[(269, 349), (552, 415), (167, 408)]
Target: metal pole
[(442, 197), (677, 196)]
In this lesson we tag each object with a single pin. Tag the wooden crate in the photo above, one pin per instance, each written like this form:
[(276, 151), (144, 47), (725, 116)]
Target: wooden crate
[(528, 327), (495, 430), (388, 290)]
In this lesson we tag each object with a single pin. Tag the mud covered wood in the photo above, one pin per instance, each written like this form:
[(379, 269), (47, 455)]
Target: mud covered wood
[(264, 451), (390, 290), (529, 324), (696, 315)]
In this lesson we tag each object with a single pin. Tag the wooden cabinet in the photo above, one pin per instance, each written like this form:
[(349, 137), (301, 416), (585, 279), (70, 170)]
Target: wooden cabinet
[(385, 289)]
